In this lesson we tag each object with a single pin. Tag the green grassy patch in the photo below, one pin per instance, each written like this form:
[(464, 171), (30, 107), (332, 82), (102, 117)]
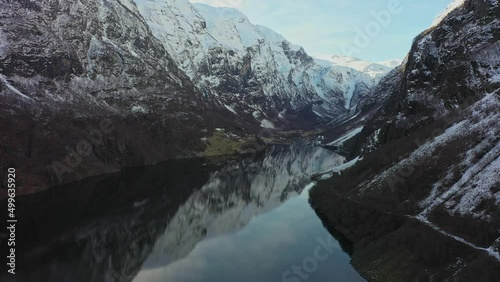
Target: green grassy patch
[(222, 143)]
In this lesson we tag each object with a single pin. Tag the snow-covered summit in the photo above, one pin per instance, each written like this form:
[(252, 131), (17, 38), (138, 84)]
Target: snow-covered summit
[(233, 29), (391, 63), (374, 70)]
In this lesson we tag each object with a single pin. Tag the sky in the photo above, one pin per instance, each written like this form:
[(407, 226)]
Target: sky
[(373, 30)]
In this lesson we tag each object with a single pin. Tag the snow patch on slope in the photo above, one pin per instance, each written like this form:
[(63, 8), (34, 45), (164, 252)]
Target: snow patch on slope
[(341, 140), (233, 29), (14, 90), (231, 109), (478, 182), (267, 124)]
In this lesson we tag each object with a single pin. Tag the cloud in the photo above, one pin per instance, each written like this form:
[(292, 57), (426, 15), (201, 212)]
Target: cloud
[(221, 3)]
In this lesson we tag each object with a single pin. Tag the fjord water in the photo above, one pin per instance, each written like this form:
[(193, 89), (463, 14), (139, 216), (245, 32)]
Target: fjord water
[(245, 219)]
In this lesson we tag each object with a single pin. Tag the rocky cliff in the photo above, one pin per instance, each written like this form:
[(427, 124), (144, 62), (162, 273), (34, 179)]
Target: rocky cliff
[(429, 158), (86, 88)]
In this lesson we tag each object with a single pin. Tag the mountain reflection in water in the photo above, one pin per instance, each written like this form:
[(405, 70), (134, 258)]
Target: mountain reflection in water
[(185, 220)]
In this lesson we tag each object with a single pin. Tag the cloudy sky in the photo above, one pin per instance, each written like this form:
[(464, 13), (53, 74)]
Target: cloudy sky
[(373, 30)]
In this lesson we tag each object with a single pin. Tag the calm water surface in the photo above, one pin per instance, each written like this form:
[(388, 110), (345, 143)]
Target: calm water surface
[(187, 221)]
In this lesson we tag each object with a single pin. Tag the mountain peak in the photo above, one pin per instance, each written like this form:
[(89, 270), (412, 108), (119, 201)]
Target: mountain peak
[(232, 28), (391, 63)]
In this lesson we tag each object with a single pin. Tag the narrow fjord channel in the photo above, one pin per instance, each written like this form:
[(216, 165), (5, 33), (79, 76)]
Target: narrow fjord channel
[(244, 219)]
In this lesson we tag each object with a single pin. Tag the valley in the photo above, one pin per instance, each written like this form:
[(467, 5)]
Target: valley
[(165, 140)]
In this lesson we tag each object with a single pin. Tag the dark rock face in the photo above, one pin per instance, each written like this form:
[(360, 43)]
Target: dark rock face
[(373, 98), (430, 154), (54, 39), (66, 67), (299, 57), (449, 66)]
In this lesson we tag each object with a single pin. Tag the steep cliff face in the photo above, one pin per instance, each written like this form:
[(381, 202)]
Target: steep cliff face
[(431, 152), (450, 66), (93, 53), (67, 69)]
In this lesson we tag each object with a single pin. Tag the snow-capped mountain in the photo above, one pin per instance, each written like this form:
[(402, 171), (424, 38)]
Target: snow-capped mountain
[(249, 68), (433, 148), (375, 70), (390, 63)]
